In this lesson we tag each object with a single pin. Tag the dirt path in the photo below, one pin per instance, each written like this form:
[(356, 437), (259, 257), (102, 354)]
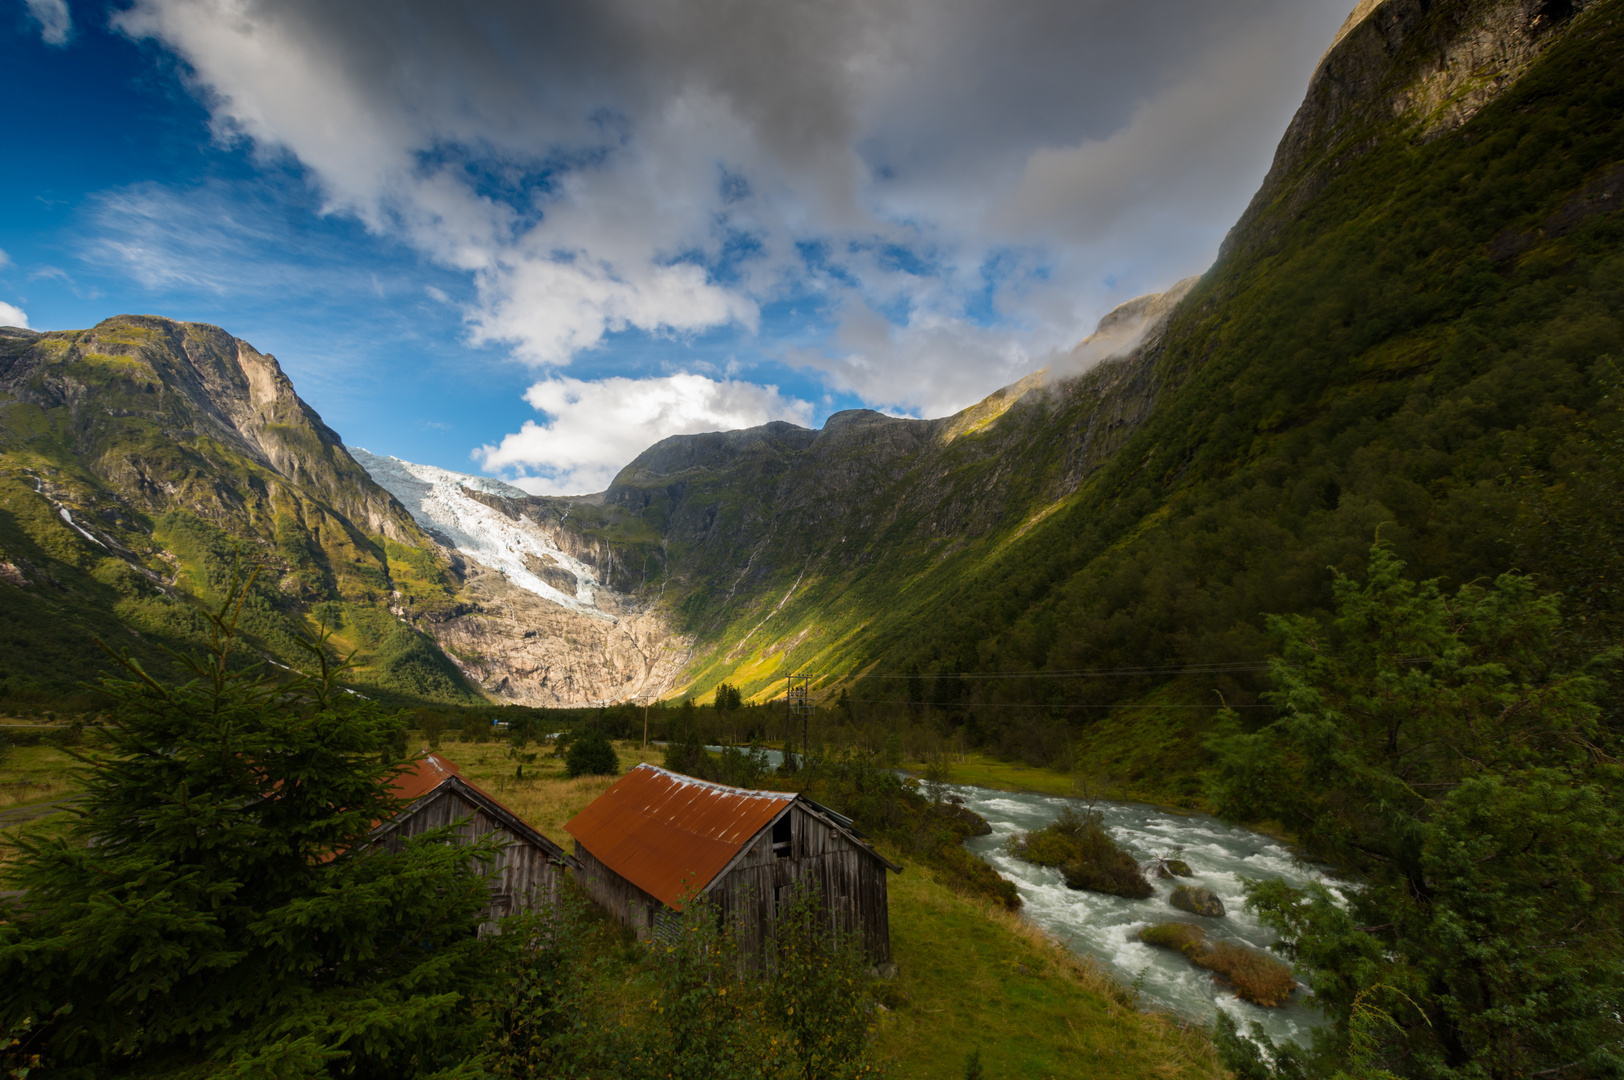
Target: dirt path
[(16, 815)]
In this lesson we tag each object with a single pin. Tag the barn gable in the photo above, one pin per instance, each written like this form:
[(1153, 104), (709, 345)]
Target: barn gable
[(528, 869)]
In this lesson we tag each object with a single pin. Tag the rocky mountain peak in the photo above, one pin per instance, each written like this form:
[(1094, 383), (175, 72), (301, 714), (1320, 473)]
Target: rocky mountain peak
[(140, 386), (1412, 68)]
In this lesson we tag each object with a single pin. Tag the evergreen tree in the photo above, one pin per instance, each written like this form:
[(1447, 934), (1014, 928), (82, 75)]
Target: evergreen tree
[(1431, 748), (591, 754), (218, 909)]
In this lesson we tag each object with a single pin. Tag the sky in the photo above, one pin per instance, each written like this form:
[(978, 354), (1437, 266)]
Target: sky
[(529, 239)]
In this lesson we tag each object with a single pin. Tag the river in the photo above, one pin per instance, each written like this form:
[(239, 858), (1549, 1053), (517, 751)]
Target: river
[(1104, 927)]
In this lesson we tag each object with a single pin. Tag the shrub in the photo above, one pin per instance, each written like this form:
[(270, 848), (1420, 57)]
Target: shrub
[(1174, 935), (1088, 858), (591, 755), (1254, 976)]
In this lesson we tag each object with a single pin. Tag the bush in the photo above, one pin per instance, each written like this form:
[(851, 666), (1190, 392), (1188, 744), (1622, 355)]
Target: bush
[(1254, 976), (592, 755), (1088, 858)]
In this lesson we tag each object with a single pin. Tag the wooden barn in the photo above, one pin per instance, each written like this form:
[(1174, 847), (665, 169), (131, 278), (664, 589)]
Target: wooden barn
[(529, 867), (656, 836)]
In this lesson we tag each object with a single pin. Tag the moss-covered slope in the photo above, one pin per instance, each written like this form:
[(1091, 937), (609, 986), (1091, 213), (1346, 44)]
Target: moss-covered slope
[(141, 462)]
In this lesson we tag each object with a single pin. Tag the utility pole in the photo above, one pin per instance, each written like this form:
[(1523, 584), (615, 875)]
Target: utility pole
[(645, 723), (799, 695)]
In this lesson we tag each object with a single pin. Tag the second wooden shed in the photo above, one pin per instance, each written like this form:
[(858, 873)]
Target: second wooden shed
[(657, 836), (529, 867)]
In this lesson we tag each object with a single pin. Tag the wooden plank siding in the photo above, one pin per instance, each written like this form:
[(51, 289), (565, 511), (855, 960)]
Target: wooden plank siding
[(525, 876), (629, 905), (849, 881)]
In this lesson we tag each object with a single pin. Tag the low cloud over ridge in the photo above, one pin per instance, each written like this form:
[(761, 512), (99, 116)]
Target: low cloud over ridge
[(592, 428)]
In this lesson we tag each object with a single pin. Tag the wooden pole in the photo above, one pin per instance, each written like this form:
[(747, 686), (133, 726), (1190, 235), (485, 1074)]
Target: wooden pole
[(645, 725)]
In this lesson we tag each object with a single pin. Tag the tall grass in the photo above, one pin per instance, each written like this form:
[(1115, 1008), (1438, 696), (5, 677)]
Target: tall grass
[(1255, 976)]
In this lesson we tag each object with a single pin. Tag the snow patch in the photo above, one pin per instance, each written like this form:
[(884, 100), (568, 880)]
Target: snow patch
[(438, 499)]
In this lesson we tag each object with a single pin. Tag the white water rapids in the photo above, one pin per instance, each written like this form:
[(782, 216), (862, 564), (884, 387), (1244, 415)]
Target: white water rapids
[(1104, 927)]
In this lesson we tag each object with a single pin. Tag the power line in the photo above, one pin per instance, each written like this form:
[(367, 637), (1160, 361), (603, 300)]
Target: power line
[(1037, 705), (1085, 673)]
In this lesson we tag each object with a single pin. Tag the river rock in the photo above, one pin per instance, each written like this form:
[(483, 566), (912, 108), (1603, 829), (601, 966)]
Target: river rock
[(967, 819), (1171, 868), (1197, 901)]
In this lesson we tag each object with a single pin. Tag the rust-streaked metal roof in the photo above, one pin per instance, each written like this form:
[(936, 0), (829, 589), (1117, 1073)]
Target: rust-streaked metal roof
[(422, 776), (669, 834)]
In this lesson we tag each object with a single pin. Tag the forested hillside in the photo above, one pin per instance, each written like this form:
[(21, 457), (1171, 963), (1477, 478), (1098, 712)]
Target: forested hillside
[(1415, 331)]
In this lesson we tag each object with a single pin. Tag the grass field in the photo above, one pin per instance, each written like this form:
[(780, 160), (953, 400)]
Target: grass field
[(971, 976), (34, 774)]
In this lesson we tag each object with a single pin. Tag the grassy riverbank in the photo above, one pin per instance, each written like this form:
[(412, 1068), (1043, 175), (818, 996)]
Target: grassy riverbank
[(1083, 782)]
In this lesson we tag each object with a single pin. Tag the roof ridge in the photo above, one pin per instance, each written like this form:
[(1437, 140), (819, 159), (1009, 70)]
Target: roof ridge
[(684, 778)]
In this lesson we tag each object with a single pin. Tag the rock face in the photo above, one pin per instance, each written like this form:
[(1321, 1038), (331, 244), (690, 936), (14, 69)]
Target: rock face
[(1431, 65), (535, 623), (1197, 901), (146, 398)]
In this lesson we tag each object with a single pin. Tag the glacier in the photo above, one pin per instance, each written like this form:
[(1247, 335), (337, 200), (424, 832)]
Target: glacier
[(438, 500)]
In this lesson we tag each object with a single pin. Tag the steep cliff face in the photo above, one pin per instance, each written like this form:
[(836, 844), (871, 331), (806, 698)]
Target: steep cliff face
[(145, 399), (1399, 69), (545, 615)]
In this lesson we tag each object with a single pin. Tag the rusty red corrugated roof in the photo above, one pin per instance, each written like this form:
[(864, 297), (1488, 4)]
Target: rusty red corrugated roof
[(422, 776), (669, 834)]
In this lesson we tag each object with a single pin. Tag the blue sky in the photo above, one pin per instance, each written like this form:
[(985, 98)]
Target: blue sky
[(531, 239)]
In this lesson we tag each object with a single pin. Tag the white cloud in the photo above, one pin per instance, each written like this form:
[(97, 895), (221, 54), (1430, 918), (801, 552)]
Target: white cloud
[(11, 315), (593, 428), (983, 179), (5, 260), (55, 22)]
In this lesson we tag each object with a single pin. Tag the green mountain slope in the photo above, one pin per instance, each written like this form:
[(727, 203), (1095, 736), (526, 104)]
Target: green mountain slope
[(1415, 329), (144, 461)]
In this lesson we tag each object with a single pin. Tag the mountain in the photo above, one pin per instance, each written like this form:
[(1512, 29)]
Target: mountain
[(1414, 331), (142, 462)]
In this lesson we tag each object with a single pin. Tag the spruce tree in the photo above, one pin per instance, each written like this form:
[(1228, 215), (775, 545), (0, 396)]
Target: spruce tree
[(1435, 749), (592, 754), (218, 908)]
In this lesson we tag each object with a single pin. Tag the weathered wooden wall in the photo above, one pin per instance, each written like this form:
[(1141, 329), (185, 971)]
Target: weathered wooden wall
[(850, 881), (524, 879), (630, 906)]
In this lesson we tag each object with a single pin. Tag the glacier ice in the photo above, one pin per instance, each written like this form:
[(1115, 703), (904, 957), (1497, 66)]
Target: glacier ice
[(437, 498)]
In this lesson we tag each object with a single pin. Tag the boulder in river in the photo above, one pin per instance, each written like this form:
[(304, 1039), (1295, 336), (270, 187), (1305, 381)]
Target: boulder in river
[(1171, 868), (1197, 901)]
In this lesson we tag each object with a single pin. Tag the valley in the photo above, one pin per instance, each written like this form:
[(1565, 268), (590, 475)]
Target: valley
[(1302, 579)]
